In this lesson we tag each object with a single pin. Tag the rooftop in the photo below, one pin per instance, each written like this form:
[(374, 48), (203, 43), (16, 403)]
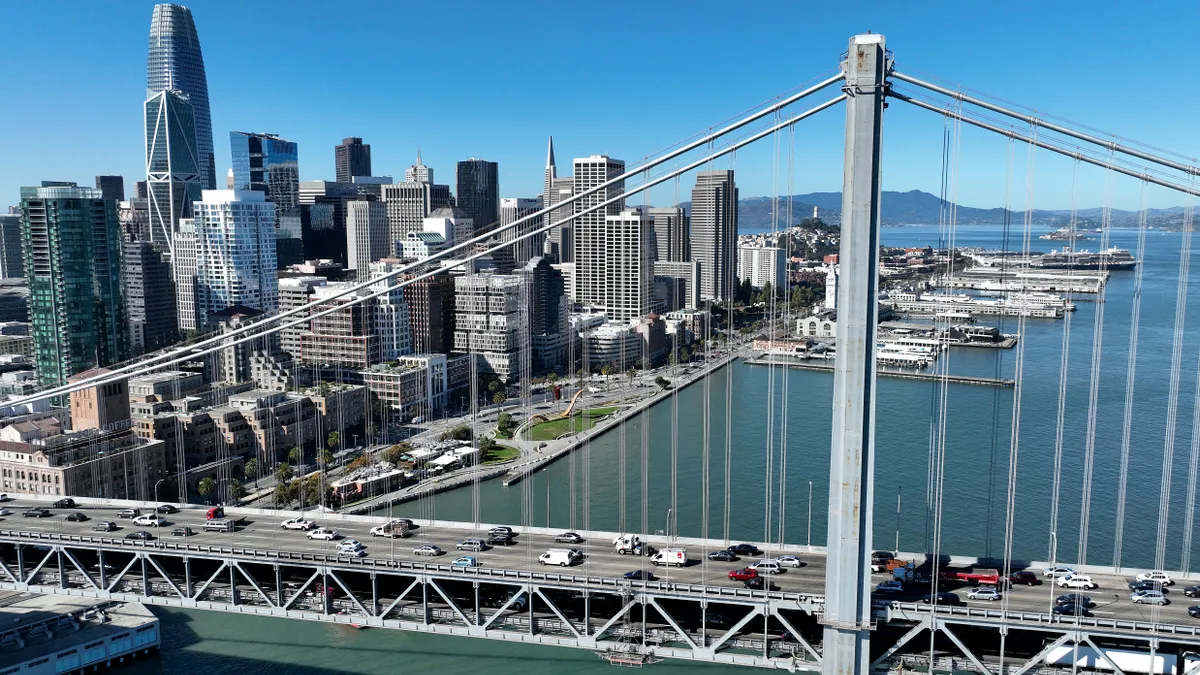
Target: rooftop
[(72, 621)]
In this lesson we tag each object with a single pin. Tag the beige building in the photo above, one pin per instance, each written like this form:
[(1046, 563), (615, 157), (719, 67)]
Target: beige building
[(90, 463)]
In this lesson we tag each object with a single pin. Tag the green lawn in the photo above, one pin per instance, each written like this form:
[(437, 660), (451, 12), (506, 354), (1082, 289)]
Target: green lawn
[(501, 453), (554, 428)]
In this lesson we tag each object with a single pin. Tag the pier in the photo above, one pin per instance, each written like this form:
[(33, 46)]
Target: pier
[(905, 375)]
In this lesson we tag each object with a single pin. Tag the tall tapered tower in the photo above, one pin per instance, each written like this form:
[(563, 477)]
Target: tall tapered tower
[(174, 63)]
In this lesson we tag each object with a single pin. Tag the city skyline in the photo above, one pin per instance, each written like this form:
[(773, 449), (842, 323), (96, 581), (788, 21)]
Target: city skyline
[(312, 116)]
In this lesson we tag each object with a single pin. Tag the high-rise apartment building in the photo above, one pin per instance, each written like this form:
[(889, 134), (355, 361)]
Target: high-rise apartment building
[(513, 209), (345, 337), (555, 190), (269, 164), (72, 248), (12, 264), (590, 232), (762, 265), (418, 173), (174, 62), (351, 158), (431, 312), (183, 271), (295, 292), (112, 187), (235, 254), (150, 300), (489, 321), (616, 274), (173, 171), (479, 192), (391, 313), (546, 313), (409, 203), (672, 241), (715, 233), (366, 234), (134, 218)]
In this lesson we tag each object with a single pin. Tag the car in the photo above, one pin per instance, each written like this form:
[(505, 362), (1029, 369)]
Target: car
[(36, 513), (1075, 599), (149, 520), (77, 517), (941, 599), (1149, 598), (350, 545), (743, 574), (406, 522), (892, 586), (1024, 578), (642, 575), (428, 549), (984, 593), (182, 531), (1157, 576), (5, 512), (298, 523), (1194, 611), (789, 561), (768, 566), (1146, 585), (167, 508), (353, 552), (1190, 591), (744, 549), (500, 540), (1056, 572), (104, 526), (129, 513), (65, 503), (1071, 609), (3, 496), (390, 531), (1076, 581), (472, 544), (501, 530), (760, 584), (465, 561), (140, 534), (722, 556), (323, 533), (569, 538)]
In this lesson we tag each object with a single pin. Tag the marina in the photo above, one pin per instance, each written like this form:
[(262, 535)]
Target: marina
[(963, 307), (994, 280)]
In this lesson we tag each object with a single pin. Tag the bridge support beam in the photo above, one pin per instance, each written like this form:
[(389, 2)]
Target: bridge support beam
[(852, 463)]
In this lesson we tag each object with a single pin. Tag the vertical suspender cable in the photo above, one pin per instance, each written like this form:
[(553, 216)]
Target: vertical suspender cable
[(1010, 503), (1063, 371)]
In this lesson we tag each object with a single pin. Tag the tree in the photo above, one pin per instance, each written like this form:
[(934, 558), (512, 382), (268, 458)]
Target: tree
[(459, 433), (236, 490), (552, 377), (283, 494), (504, 423), (326, 458), (498, 398), (296, 455), (606, 369), (394, 453), (333, 440), (284, 472), (251, 469), (322, 389), (685, 355), (631, 373), (662, 382), (360, 462), (493, 385), (206, 486)]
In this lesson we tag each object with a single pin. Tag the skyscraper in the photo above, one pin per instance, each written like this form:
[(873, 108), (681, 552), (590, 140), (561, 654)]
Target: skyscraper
[(12, 264), (555, 190), (409, 203), (715, 233), (269, 164), (183, 269), (149, 298), (172, 163), (175, 63), (479, 192), (513, 209), (418, 173), (112, 187), (590, 230), (351, 158), (235, 252), (72, 247), (672, 242), (366, 234)]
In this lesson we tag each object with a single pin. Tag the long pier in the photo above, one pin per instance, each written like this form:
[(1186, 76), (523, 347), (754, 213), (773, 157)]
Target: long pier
[(904, 375)]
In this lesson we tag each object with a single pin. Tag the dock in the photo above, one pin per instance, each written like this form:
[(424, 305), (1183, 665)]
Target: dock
[(904, 375), (48, 634)]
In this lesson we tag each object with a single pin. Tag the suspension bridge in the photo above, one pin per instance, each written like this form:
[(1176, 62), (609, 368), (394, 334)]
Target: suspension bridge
[(828, 612)]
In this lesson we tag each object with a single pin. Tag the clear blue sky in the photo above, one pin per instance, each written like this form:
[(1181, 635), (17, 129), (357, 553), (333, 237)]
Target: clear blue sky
[(493, 79)]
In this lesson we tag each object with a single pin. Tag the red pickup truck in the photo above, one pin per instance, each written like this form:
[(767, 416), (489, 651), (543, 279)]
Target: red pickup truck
[(982, 575)]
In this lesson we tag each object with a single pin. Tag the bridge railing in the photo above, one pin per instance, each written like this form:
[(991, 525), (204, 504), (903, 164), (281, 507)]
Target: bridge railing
[(911, 610)]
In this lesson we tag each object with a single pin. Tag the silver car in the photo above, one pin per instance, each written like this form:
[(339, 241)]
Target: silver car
[(428, 549), (1148, 598), (472, 544)]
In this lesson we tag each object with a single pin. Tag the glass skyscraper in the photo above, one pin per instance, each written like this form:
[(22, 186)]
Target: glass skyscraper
[(175, 63), (172, 164), (268, 164)]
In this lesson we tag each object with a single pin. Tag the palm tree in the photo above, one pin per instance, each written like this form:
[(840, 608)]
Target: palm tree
[(296, 455), (236, 490), (251, 469), (284, 473), (206, 486)]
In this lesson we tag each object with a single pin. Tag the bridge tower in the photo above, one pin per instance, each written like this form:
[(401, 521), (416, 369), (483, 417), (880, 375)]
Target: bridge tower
[(852, 466)]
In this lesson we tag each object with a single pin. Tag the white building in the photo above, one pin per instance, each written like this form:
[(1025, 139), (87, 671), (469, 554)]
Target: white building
[(391, 314), (420, 245), (589, 232), (616, 344), (489, 320), (235, 252), (452, 223), (761, 265), (614, 265), (513, 209), (183, 268), (831, 287), (367, 238)]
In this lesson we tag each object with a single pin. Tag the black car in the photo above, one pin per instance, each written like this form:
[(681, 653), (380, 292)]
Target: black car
[(104, 526), (761, 583), (167, 508), (65, 503), (1192, 591), (182, 532), (500, 540), (1194, 611), (77, 517), (1071, 609), (941, 599), (1074, 599), (640, 575), (722, 556), (568, 538), (140, 534), (502, 530), (744, 549), (714, 620), (36, 513), (1147, 586)]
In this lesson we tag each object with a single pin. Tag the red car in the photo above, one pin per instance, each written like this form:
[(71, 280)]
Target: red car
[(744, 574)]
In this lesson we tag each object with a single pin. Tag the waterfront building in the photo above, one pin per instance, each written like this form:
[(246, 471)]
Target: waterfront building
[(175, 62), (278, 421), (351, 158), (12, 263), (614, 271), (715, 233), (589, 232), (558, 242), (478, 193), (416, 385), (762, 265), (150, 299), (418, 173), (268, 164), (367, 237), (72, 248), (88, 463), (111, 187), (618, 345), (831, 287), (173, 170), (235, 256), (103, 406), (489, 321), (672, 240), (409, 203)]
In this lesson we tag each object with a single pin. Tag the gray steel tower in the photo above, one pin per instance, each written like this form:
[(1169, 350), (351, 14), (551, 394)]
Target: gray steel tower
[(174, 62)]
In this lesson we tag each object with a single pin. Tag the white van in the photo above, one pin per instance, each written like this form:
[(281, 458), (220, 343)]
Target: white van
[(219, 525), (670, 556), (563, 557)]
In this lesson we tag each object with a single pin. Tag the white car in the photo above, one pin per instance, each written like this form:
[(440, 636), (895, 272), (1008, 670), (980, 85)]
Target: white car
[(1157, 576), (889, 587), (325, 533), (428, 549), (298, 523), (149, 520), (1056, 572), (984, 593), (350, 546), (353, 553), (789, 561), (5, 512), (1077, 581)]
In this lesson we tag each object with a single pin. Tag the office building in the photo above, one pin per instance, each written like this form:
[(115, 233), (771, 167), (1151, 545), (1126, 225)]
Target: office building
[(134, 218), (672, 241), (103, 406), (554, 191), (173, 171), (513, 209), (489, 321), (12, 263), (391, 313), (762, 265), (351, 158), (431, 313), (345, 337), (616, 268), (676, 285), (589, 231), (150, 299), (175, 62), (88, 463), (268, 164), (418, 173), (112, 187), (72, 248), (715, 233), (140, 190), (183, 271), (295, 292), (413, 386), (451, 222), (478, 192), (366, 234), (547, 317), (323, 219), (420, 245), (235, 255), (409, 203), (371, 185)]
